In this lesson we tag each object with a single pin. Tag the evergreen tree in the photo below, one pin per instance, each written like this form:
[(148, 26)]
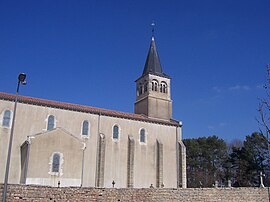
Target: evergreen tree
[(206, 159), (248, 161), (210, 159)]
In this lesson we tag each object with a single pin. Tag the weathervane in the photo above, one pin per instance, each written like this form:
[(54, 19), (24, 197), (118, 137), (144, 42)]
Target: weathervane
[(153, 29)]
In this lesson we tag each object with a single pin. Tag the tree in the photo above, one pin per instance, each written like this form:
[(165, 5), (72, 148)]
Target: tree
[(264, 111), (210, 159), (206, 158), (248, 161)]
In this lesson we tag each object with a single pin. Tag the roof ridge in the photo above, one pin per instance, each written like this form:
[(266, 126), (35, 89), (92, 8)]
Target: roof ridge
[(83, 108)]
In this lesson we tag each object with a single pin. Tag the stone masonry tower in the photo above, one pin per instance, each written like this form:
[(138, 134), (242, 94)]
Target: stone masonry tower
[(153, 95)]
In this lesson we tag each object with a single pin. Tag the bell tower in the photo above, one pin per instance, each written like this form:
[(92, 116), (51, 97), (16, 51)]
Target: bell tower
[(153, 94)]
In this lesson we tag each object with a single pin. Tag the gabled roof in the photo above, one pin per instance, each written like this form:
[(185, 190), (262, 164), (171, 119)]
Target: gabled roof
[(152, 64), (86, 109), (37, 135), (56, 129)]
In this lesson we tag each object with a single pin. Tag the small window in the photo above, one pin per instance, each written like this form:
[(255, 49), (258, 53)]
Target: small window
[(142, 135), (56, 163), (50, 125), (156, 86), (6, 118), (140, 90), (85, 128), (145, 87), (163, 87), (115, 132)]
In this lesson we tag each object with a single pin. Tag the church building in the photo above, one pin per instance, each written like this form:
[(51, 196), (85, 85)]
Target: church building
[(63, 144)]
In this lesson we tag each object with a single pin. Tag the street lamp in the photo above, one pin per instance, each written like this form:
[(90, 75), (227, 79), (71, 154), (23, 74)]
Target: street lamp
[(21, 80)]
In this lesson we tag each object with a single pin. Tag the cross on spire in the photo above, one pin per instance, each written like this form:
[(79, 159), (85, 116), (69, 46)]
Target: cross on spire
[(152, 64), (153, 29)]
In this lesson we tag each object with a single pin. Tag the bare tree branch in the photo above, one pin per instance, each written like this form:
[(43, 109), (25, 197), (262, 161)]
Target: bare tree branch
[(264, 109)]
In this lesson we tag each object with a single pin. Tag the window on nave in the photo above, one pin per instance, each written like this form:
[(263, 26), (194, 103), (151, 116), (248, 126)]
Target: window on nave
[(115, 132), (51, 122), (6, 118), (142, 135), (85, 128)]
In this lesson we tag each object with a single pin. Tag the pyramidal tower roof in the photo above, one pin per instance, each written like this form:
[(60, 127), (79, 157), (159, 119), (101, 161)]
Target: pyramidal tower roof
[(152, 64)]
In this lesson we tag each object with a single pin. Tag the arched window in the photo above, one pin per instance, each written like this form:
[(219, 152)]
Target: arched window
[(154, 85), (163, 87), (6, 118), (140, 90), (56, 162), (142, 135), (50, 125), (115, 132), (145, 87), (85, 128)]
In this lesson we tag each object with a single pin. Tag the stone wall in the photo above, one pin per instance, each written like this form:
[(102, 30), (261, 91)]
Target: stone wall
[(43, 193)]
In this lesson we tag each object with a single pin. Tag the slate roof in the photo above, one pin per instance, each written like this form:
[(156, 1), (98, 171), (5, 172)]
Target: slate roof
[(152, 64), (86, 109)]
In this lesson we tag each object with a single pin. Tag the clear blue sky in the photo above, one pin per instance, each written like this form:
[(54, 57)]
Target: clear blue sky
[(91, 52)]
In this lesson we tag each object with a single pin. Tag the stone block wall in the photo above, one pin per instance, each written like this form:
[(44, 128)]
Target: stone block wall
[(20, 193)]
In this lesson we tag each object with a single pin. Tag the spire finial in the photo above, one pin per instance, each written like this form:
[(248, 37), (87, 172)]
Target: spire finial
[(153, 30)]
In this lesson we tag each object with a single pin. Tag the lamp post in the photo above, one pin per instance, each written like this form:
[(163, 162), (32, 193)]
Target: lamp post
[(21, 80)]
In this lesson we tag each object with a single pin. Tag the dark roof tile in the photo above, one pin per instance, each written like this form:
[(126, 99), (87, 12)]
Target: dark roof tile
[(152, 64), (86, 109)]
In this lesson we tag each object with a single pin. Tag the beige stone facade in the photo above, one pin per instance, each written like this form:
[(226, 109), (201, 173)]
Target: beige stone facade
[(73, 145), (151, 101)]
